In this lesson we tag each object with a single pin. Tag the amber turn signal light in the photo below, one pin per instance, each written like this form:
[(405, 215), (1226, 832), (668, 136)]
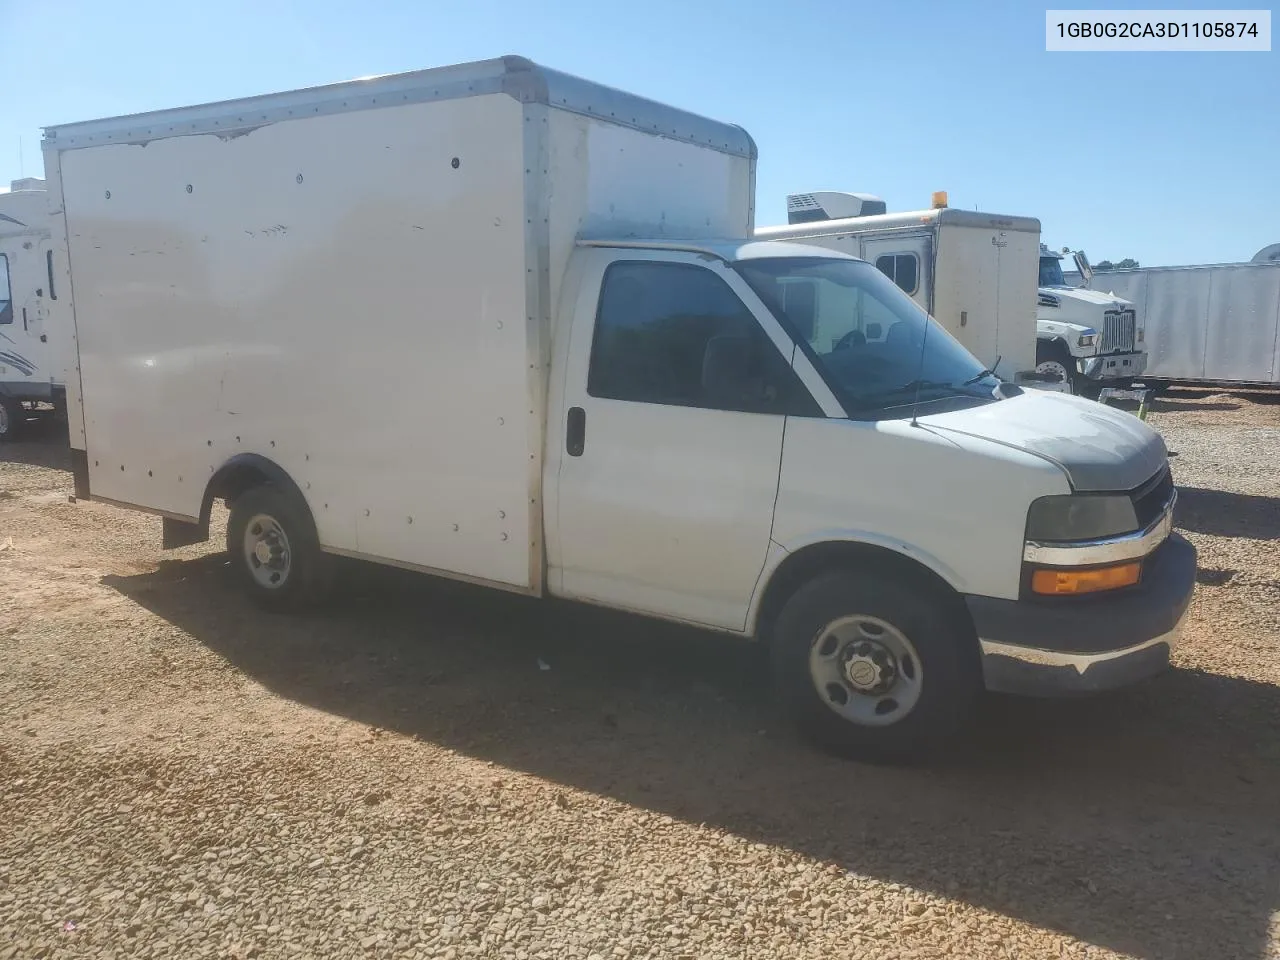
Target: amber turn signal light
[(1058, 583)]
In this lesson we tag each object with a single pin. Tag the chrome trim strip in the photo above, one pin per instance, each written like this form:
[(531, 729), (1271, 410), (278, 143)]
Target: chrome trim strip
[(1080, 661), (1087, 553)]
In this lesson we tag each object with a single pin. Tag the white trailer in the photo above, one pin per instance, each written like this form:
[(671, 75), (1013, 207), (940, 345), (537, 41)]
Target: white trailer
[(589, 388), (1217, 322), (972, 272), (32, 354)]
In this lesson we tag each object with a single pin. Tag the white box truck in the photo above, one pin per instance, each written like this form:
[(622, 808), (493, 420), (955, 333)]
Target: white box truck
[(32, 354), (589, 387)]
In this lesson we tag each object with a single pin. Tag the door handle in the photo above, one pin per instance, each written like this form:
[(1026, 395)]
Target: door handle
[(24, 319), (575, 435)]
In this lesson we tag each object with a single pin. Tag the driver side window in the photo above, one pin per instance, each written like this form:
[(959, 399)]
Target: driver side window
[(675, 334)]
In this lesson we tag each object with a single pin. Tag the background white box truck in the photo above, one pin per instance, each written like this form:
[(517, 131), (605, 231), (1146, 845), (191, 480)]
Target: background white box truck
[(589, 386)]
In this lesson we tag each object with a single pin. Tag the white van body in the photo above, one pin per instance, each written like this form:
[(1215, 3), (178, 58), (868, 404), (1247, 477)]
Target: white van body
[(972, 272), (585, 388), (32, 355)]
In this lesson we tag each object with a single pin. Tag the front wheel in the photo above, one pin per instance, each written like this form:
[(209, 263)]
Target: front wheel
[(874, 668), (1054, 359), (273, 547)]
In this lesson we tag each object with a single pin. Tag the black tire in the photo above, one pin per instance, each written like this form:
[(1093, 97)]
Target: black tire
[(304, 577), (13, 417), (949, 673)]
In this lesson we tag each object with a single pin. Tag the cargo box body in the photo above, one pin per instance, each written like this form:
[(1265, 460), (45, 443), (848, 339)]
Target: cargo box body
[(355, 283)]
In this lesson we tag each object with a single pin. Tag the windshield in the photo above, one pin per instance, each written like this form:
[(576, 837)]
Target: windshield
[(867, 337), (1051, 272)]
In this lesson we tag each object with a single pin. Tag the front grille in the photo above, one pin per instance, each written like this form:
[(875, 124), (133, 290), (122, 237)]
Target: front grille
[(1150, 499), (1118, 330)]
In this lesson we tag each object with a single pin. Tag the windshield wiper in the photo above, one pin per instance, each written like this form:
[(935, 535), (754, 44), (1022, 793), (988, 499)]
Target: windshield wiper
[(985, 373), (910, 387), (978, 376), (908, 391)]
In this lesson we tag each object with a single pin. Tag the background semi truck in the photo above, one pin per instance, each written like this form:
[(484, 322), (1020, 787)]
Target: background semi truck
[(590, 387), (32, 351), (1093, 338)]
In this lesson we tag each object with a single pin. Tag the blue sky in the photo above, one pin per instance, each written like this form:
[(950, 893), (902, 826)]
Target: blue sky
[(1169, 158)]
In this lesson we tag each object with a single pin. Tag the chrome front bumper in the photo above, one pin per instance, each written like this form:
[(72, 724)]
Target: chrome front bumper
[(1065, 646), (1114, 366), (1009, 668)]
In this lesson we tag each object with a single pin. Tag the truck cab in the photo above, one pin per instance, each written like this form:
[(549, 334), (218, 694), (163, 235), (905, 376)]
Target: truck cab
[(1087, 338), (790, 448)]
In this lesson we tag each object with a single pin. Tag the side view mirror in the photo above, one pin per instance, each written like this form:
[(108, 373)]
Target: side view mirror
[(727, 370), (1082, 264)]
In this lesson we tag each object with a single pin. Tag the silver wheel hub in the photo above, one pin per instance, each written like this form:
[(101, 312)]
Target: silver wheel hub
[(266, 551), (869, 667), (1054, 367), (866, 670)]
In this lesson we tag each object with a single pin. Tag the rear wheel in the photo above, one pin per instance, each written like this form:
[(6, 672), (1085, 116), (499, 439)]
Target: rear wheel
[(874, 668), (13, 415), (274, 549)]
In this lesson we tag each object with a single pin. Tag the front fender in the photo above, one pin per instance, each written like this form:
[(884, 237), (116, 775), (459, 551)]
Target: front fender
[(843, 543)]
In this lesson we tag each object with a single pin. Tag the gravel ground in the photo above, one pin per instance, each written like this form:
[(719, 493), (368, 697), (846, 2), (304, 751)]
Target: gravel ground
[(182, 776)]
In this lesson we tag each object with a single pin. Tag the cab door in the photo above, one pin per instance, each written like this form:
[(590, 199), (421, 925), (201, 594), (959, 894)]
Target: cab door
[(673, 404)]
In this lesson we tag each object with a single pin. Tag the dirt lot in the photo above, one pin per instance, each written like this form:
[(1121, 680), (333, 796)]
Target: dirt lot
[(183, 776)]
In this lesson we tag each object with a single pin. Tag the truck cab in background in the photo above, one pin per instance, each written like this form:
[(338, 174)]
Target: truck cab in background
[(29, 369), (1088, 338)]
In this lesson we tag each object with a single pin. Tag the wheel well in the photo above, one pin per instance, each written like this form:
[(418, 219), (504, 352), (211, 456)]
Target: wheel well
[(235, 477), (813, 561), (1055, 343)]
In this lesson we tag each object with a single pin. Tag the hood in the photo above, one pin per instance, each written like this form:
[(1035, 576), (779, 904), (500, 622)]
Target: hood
[(1098, 447), (1108, 300)]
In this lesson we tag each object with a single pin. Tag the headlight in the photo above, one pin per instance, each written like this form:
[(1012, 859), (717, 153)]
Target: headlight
[(1080, 517), (1088, 338), (1142, 334)]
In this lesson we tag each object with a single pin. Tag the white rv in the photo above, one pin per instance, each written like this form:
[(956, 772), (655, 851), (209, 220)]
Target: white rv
[(1090, 337), (589, 387), (972, 272), (30, 368)]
